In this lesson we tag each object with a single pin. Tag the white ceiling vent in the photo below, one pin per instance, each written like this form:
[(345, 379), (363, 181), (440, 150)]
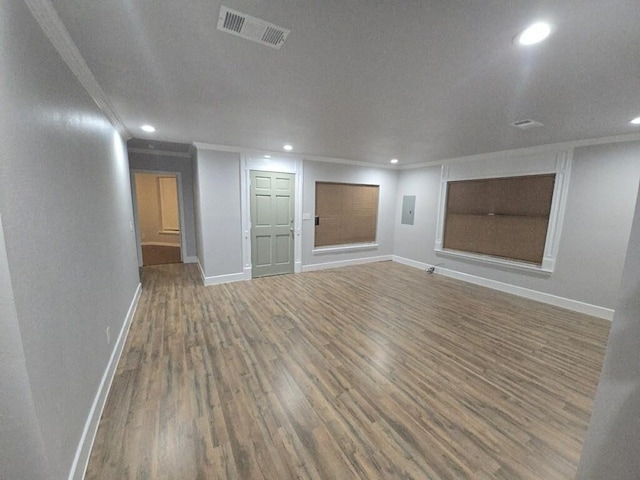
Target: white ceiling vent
[(251, 28), (526, 124)]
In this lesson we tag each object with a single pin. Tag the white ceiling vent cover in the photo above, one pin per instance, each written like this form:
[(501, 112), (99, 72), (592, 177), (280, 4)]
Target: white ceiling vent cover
[(251, 28), (526, 124)]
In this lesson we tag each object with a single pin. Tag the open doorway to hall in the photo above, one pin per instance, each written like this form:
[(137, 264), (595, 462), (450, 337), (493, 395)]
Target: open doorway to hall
[(158, 218)]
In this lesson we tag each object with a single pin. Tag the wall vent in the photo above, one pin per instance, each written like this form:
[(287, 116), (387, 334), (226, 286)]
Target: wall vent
[(251, 28), (526, 124)]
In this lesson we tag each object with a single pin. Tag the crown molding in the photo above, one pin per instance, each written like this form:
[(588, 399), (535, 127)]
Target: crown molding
[(538, 149), (164, 153), (48, 19), (310, 158)]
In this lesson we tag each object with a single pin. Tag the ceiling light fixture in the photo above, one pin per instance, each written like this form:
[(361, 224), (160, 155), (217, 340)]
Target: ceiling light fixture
[(635, 121), (267, 156), (148, 128), (534, 34), (287, 147), (394, 160)]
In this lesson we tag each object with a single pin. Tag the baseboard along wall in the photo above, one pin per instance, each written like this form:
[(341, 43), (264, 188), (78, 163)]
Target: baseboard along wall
[(548, 298), (81, 459)]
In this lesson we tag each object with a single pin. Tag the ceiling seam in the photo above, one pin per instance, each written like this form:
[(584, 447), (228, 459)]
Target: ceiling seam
[(53, 28)]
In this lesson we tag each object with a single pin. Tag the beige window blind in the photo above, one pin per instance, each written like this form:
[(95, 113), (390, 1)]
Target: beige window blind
[(503, 217), (345, 213)]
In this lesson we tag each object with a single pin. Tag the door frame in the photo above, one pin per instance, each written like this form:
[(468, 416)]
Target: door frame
[(136, 220), (279, 164)]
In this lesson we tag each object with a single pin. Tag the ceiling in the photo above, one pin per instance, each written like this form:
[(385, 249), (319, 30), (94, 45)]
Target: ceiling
[(366, 80)]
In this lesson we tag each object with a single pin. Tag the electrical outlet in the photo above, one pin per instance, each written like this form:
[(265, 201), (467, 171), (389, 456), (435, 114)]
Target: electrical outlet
[(131, 226), (108, 335)]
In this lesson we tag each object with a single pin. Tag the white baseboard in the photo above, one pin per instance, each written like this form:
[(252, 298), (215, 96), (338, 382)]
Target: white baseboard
[(231, 277), (569, 304), (411, 263), (81, 459), (190, 260), (344, 263), (160, 244)]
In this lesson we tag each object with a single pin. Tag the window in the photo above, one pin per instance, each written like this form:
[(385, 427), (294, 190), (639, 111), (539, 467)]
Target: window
[(345, 213), (502, 217), (168, 188)]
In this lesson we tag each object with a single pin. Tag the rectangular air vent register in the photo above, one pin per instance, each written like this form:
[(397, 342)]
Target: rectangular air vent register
[(251, 28)]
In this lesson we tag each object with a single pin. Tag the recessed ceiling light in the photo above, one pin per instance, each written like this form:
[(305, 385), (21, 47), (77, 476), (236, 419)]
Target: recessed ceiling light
[(394, 160), (635, 121), (288, 148), (148, 128), (267, 156), (534, 34)]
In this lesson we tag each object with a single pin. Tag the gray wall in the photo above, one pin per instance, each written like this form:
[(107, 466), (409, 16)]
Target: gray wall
[(65, 201), (416, 241), (169, 163), (611, 447), (22, 453), (219, 212), (332, 172), (595, 234)]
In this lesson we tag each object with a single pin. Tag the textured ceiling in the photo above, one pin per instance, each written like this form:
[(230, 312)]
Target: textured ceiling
[(366, 80)]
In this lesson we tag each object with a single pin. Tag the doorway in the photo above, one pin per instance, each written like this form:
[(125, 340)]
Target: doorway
[(272, 198), (158, 218)]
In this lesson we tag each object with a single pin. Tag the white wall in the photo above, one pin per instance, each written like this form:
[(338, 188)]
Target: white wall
[(332, 172), (65, 200), (594, 238), (170, 163), (611, 447), (219, 213)]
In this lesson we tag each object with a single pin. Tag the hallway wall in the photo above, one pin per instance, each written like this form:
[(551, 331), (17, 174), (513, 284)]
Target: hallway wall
[(65, 202)]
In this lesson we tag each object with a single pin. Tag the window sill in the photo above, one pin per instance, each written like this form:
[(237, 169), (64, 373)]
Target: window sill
[(344, 248), (503, 262)]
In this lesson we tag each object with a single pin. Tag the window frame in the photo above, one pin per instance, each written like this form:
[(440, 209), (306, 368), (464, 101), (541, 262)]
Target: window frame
[(346, 246), (493, 166)]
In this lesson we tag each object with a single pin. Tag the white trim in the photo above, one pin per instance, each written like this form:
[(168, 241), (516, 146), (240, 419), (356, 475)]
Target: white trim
[(344, 248), (502, 262), (273, 153), (548, 298), (558, 163), (161, 244), (411, 263), (81, 458), (53, 28), (538, 149), (228, 278), (344, 161), (279, 164), (190, 260), (164, 153), (345, 263)]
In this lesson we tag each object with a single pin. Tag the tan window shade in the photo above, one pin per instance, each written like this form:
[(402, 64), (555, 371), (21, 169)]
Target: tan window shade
[(345, 213), (502, 217)]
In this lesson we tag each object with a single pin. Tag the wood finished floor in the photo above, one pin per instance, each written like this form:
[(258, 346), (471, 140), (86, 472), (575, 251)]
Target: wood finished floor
[(375, 371)]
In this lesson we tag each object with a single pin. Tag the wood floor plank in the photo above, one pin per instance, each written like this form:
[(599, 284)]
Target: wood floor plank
[(375, 371)]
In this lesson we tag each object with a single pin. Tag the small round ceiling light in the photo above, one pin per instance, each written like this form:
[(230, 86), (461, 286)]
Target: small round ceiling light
[(394, 160), (635, 121), (534, 34), (288, 147), (148, 128)]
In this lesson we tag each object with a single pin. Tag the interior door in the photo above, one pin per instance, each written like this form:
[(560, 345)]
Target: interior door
[(272, 232)]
